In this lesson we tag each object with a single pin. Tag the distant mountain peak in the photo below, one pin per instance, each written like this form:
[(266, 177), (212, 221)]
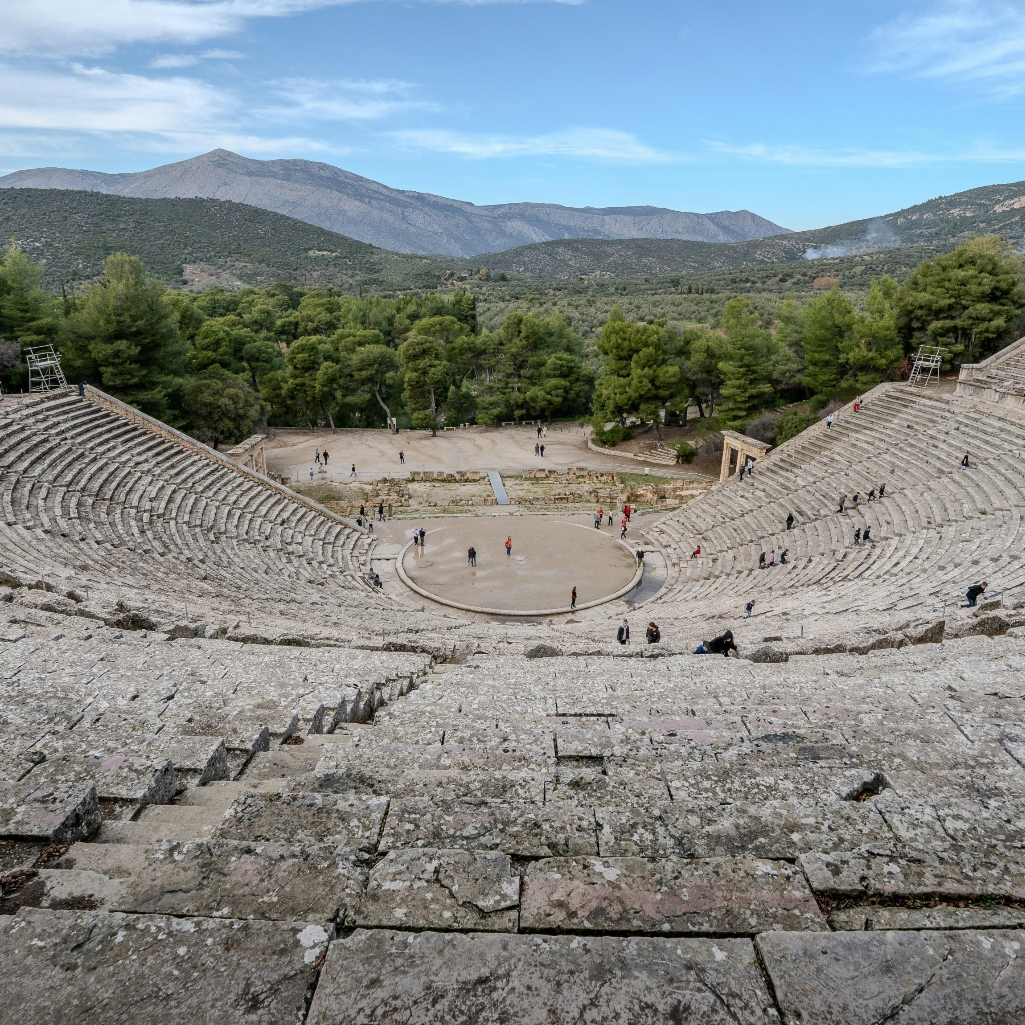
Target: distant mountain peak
[(401, 220)]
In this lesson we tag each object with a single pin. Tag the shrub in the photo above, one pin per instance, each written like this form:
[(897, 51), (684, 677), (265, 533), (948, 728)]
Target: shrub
[(613, 435), (762, 429), (711, 445), (790, 424), (685, 453)]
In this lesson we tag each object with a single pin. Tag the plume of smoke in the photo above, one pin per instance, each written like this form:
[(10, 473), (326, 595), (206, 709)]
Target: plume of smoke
[(878, 234)]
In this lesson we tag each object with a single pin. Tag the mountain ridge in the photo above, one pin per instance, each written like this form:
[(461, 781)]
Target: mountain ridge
[(400, 220)]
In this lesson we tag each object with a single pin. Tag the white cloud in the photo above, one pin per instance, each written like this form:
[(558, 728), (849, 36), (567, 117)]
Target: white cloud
[(174, 60), (343, 99), (966, 40), (224, 55), (91, 27), (587, 143), (808, 156), (175, 114)]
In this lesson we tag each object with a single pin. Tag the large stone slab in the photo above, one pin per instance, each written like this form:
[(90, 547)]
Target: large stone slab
[(517, 828), (742, 896), (773, 829), (880, 918), (381, 977), (914, 978), (903, 870), (52, 813), (94, 966), (229, 878), (338, 820), (767, 780), (437, 889), (122, 778)]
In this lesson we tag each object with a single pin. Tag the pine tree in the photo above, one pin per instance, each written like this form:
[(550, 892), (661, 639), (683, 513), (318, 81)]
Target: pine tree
[(746, 366)]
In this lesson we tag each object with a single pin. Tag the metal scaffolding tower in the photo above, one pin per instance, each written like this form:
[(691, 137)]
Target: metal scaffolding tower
[(44, 368), (926, 366)]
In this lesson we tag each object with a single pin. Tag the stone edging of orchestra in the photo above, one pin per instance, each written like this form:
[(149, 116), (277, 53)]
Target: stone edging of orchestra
[(640, 457), (638, 573)]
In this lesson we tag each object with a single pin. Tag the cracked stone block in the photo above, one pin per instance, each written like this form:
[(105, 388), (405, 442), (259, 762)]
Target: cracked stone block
[(338, 820), (517, 828), (439, 889), (65, 891), (380, 977), (915, 978), (122, 969), (455, 784), (999, 821), (233, 879), (766, 780), (129, 778), (879, 918), (52, 813), (774, 830), (902, 870), (958, 784), (742, 896)]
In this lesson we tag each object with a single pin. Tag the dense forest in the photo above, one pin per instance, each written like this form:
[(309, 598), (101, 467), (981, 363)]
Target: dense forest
[(222, 363)]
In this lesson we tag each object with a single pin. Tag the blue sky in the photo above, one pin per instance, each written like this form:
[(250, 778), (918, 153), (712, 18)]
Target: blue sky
[(807, 113)]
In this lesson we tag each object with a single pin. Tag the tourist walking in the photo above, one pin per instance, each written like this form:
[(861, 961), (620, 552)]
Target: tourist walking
[(542, 451), (749, 609), (622, 531), (723, 644), (380, 511), (402, 457), (973, 594), (626, 512), (416, 536), (610, 517), (772, 558), (597, 519), (790, 521), (843, 498), (539, 434), (966, 463), (857, 536), (867, 538), (743, 470), (573, 599), (324, 457), (872, 495), (362, 510), (829, 421), (423, 536), (316, 456), (471, 556), (508, 545), (623, 633), (537, 448), (783, 556), (857, 404), (653, 634), (352, 472), (882, 490), (761, 561)]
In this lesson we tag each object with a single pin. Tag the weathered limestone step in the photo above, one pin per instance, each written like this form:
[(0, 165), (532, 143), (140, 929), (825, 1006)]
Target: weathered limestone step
[(223, 878), (739, 896), (879, 918), (916, 978), (339, 820), (48, 813), (903, 870), (517, 828), (772, 829), (379, 977), (98, 966), (436, 889)]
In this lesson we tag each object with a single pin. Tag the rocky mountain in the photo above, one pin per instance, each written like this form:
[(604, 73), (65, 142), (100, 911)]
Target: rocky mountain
[(395, 219)]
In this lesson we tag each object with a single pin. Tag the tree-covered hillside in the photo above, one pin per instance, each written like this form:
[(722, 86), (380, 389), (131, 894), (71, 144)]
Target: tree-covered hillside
[(198, 243)]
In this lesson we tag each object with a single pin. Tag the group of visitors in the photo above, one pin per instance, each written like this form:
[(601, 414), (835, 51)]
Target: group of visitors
[(748, 468), (623, 523), (419, 536), (771, 561), (539, 450), (721, 645), (652, 635), (321, 458)]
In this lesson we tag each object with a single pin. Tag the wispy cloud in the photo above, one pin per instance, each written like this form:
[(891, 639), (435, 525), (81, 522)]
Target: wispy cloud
[(808, 156), (965, 40), (343, 99), (168, 113), (189, 60), (92, 27), (586, 143)]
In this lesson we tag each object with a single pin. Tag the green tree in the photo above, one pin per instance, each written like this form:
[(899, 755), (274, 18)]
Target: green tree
[(27, 313), (426, 377), (746, 366), (221, 406), (828, 324), (636, 377), (375, 367), (701, 369), (315, 379), (967, 301), (124, 337), (873, 347)]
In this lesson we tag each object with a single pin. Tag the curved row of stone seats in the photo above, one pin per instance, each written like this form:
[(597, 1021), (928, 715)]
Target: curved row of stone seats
[(91, 496), (936, 530)]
